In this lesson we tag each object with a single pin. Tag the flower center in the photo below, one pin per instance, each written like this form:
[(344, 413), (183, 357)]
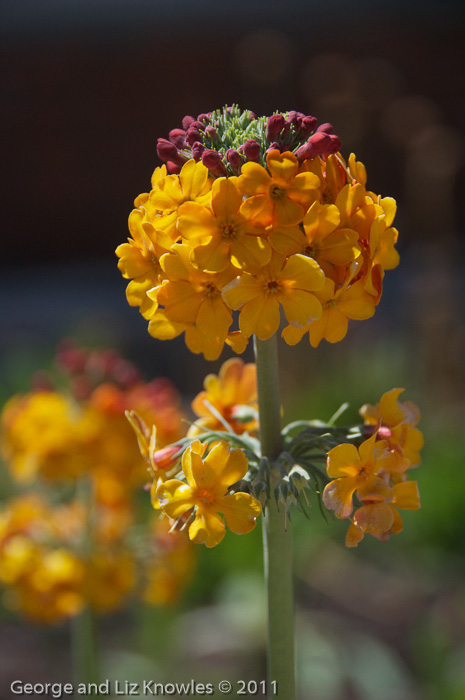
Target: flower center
[(211, 290), (273, 287), (277, 193), (204, 497), (229, 231)]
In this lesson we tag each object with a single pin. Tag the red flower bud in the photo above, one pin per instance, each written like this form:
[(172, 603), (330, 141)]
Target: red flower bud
[(295, 118), (326, 127), (177, 136), (166, 150), (187, 121), (165, 458), (197, 150), (309, 124), (233, 158), (335, 144), (211, 131), (193, 135), (212, 160), (251, 150), (203, 118), (173, 168), (315, 146), (274, 126), (198, 125)]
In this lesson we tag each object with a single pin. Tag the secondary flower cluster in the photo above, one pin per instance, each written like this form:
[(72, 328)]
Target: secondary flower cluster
[(376, 472), (292, 227), (75, 545), (218, 469)]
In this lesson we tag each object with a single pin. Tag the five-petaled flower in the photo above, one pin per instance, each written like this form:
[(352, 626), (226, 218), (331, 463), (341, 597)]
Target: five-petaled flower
[(206, 492)]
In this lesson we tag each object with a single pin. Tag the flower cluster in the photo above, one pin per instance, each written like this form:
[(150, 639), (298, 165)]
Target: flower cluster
[(376, 472), (76, 546), (254, 215), (196, 480)]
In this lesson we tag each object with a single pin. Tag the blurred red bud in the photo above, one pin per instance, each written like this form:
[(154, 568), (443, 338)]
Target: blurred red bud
[(187, 121), (193, 135), (211, 131), (309, 124), (212, 160)]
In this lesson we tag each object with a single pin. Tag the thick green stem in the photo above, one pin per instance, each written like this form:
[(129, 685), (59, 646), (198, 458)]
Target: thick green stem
[(277, 538)]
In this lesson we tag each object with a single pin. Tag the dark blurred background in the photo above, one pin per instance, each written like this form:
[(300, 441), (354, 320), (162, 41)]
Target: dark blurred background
[(88, 87)]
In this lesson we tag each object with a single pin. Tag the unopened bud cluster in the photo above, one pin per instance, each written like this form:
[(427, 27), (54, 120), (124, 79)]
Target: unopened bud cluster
[(227, 138)]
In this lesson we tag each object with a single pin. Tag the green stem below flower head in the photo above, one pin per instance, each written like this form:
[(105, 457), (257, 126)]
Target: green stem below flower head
[(277, 539)]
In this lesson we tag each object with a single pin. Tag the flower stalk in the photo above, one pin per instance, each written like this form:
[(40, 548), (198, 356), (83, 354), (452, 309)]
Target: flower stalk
[(277, 536)]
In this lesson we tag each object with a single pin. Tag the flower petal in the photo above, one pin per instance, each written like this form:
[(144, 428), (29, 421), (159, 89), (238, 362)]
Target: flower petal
[(240, 511)]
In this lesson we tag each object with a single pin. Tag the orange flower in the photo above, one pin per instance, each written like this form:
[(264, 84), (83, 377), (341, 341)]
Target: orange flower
[(232, 391), (382, 519), (361, 471), (281, 197), (401, 419), (223, 236), (290, 282)]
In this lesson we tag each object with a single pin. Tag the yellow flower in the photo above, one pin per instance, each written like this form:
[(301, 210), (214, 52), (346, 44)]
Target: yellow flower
[(206, 491), (46, 432), (282, 197), (108, 579), (170, 191), (235, 388), (348, 302), (400, 418), (290, 282), (358, 470), (193, 297), (222, 236), (139, 261)]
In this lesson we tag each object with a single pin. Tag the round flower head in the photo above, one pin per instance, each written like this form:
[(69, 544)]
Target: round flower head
[(253, 213)]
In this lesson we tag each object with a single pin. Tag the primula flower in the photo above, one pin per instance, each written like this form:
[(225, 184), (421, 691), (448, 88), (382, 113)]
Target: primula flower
[(358, 471), (191, 185), (401, 418), (193, 297), (338, 306), (382, 519), (231, 394), (139, 261), (206, 491), (290, 282), (281, 196), (223, 236)]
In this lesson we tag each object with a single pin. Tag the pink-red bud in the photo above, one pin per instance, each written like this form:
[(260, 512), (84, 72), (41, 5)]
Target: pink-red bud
[(166, 150), (251, 150), (274, 126), (203, 118), (211, 131), (193, 135), (187, 121), (309, 124), (198, 125), (212, 160), (173, 168), (177, 136), (326, 127), (165, 458), (197, 150), (233, 157)]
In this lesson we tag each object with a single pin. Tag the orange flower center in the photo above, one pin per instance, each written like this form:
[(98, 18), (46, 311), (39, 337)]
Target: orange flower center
[(277, 193), (211, 290), (204, 497)]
